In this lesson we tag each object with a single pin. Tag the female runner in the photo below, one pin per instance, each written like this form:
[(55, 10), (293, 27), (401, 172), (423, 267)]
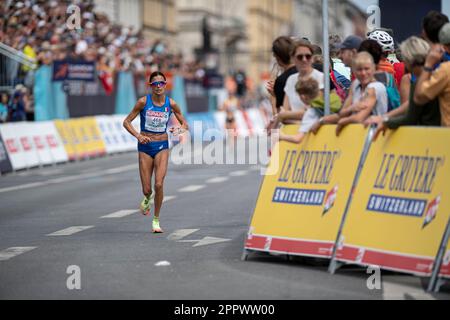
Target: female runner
[(153, 145)]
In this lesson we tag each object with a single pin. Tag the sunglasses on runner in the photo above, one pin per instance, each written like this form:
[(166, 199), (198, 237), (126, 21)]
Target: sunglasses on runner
[(158, 84), (300, 57)]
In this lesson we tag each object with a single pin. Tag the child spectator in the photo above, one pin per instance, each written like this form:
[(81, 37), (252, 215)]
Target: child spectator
[(308, 90)]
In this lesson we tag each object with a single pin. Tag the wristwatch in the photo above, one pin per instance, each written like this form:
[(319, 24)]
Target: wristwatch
[(321, 121), (385, 119), (428, 69)]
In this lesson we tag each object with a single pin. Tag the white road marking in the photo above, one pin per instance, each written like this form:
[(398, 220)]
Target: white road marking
[(69, 231), (238, 173), (13, 251), (162, 264), (71, 178), (168, 198), (119, 214), (397, 291), (23, 186), (192, 188), (206, 241), (217, 180), (181, 233)]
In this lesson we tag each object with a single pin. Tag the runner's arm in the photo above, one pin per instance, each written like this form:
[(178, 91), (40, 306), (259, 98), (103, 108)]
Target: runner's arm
[(140, 104), (177, 112)]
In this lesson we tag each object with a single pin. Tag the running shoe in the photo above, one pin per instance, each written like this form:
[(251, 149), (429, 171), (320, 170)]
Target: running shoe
[(155, 226), (147, 203)]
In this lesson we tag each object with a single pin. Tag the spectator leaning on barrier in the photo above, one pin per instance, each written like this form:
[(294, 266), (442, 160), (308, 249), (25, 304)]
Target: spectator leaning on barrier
[(308, 90), (387, 79), (367, 96), (436, 83), (414, 51)]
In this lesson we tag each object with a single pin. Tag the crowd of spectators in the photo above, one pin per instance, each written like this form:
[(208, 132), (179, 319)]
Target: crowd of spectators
[(372, 80), (39, 29)]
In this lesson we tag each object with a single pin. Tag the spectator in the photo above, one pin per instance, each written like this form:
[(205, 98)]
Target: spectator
[(4, 100), (281, 49), (294, 107), (436, 83), (317, 58), (414, 52), (367, 96), (340, 74), (348, 50), (240, 79), (386, 43), (388, 61), (387, 79), (338, 65), (432, 24), (307, 89), (17, 108)]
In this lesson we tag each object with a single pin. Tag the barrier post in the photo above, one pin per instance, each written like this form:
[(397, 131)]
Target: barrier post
[(326, 56), (435, 281), (334, 265)]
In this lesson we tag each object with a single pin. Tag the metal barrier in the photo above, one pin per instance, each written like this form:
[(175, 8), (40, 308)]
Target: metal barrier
[(10, 65)]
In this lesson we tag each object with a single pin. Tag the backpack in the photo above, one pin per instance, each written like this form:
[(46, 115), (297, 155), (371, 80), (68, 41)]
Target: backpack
[(341, 91), (392, 93)]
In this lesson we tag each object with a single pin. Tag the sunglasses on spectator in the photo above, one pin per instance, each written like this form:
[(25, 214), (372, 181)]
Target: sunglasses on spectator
[(300, 57), (158, 84)]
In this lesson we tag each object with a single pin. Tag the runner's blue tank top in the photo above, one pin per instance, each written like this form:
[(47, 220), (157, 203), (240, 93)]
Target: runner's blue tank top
[(154, 119)]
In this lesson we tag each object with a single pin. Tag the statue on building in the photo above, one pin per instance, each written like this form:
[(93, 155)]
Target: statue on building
[(206, 31)]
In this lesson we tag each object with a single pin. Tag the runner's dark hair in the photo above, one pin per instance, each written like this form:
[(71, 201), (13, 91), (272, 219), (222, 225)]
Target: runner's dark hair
[(155, 74)]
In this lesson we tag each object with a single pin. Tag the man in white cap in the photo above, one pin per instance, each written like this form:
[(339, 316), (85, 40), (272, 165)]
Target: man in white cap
[(434, 83)]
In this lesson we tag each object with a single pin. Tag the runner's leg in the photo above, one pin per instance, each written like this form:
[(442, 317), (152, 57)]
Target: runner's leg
[(161, 163), (146, 164)]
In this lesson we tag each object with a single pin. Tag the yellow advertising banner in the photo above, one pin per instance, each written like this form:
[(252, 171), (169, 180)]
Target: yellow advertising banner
[(300, 206), (79, 139), (69, 140), (401, 204), (90, 132)]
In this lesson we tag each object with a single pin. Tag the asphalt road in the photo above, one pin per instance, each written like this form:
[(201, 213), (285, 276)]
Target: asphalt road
[(205, 217)]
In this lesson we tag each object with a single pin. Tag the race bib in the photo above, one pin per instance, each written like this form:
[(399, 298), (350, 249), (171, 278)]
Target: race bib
[(156, 121)]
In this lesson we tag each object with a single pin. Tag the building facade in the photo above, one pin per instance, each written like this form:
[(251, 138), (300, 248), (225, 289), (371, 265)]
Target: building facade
[(242, 31), (157, 18), (344, 19)]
